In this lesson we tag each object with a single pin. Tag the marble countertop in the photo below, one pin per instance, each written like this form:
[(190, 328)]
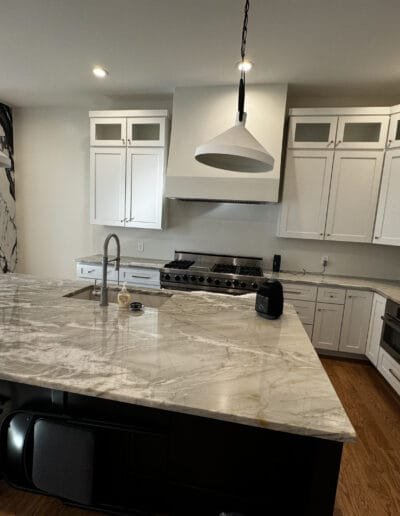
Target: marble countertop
[(126, 261), (199, 353), (388, 289)]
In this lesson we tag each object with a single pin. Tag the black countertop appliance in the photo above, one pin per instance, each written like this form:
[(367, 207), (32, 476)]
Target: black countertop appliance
[(269, 299)]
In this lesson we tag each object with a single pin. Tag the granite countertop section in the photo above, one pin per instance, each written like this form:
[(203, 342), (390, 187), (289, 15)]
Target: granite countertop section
[(199, 353), (388, 289), (126, 261)]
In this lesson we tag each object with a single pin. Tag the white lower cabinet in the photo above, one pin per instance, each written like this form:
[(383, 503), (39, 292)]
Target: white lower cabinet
[(356, 319), (327, 326), (389, 369), (375, 328)]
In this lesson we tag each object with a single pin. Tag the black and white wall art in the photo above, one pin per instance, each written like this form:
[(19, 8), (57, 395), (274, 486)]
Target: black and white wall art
[(8, 230)]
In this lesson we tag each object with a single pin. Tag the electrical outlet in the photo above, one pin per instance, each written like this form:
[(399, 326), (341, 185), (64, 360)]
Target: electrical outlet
[(140, 246), (324, 261)]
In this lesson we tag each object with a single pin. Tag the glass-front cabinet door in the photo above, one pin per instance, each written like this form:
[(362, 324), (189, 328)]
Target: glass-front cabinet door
[(393, 140), (362, 132), (108, 132), (146, 132), (308, 132)]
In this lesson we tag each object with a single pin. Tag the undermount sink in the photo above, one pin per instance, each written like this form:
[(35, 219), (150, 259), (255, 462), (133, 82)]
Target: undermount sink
[(152, 299)]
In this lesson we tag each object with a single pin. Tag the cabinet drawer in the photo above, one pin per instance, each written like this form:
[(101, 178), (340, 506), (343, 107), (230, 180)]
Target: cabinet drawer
[(140, 276), (390, 369), (305, 310), (296, 291), (332, 295), (95, 272)]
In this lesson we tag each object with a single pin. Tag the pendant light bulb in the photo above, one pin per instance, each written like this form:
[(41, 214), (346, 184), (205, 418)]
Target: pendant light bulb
[(236, 149)]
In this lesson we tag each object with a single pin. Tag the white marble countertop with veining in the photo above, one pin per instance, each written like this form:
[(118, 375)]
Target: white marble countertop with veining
[(387, 288), (126, 261), (199, 353)]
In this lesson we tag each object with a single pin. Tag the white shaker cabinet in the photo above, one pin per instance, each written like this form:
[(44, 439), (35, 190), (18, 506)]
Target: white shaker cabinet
[(356, 319), (393, 140), (362, 132), (144, 187), (327, 326), (305, 194), (107, 186), (375, 328), (127, 164), (387, 224), (307, 132), (353, 195)]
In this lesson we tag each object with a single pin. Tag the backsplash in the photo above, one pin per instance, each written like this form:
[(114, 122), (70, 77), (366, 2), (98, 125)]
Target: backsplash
[(8, 230)]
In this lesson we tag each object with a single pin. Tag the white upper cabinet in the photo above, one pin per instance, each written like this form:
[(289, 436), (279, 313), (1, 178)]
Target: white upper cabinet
[(146, 132), (305, 194), (127, 166), (356, 319), (144, 188), (362, 132), (307, 132), (108, 132), (387, 225), (353, 195), (393, 140), (107, 186)]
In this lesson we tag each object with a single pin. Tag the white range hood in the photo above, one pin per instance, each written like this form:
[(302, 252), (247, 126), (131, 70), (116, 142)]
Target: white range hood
[(203, 112)]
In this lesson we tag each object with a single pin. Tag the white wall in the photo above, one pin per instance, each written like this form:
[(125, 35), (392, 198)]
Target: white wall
[(52, 172)]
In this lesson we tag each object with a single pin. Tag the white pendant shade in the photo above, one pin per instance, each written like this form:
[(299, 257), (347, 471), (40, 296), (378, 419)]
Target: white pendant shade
[(4, 160), (235, 149)]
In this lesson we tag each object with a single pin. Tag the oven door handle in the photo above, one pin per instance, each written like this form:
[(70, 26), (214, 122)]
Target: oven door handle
[(391, 324)]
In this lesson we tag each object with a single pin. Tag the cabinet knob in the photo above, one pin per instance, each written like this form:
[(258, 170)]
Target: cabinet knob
[(328, 234), (122, 220), (129, 142), (338, 142), (321, 234), (123, 141), (376, 237), (389, 143)]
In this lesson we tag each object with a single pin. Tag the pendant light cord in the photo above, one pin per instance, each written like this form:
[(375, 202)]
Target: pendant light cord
[(242, 81)]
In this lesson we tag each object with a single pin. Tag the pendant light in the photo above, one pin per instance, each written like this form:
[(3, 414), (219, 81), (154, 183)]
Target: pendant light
[(236, 149)]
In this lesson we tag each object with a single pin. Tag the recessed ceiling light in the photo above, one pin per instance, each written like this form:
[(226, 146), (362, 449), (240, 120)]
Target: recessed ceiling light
[(99, 71), (245, 66)]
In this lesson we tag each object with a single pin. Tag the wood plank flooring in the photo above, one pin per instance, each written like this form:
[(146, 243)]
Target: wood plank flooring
[(369, 483)]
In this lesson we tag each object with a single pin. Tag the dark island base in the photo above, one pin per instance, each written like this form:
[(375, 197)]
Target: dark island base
[(127, 459)]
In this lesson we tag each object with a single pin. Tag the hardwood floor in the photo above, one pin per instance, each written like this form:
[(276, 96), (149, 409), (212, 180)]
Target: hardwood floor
[(369, 483)]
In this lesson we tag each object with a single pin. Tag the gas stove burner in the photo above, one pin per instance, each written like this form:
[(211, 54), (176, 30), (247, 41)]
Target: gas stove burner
[(224, 268), (179, 264), (250, 271)]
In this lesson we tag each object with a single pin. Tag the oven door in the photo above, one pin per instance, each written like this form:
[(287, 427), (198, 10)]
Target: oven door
[(390, 340)]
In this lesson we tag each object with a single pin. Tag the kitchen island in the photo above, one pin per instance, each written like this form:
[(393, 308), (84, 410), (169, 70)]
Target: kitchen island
[(242, 406)]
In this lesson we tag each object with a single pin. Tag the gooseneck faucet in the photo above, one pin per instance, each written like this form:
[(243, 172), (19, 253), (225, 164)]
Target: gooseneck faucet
[(105, 262)]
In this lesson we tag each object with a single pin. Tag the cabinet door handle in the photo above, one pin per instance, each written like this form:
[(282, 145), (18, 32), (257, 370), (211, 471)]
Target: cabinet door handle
[(123, 220), (389, 143), (130, 142), (123, 141), (291, 292), (91, 270), (141, 277), (394, 374)]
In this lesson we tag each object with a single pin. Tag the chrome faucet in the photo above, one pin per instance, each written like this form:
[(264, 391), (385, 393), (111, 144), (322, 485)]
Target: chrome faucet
[(105, 262)]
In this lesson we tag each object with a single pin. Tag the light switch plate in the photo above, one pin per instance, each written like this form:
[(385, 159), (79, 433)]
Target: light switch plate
[(140, 246)]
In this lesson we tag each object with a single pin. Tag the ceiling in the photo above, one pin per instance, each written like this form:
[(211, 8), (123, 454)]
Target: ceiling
[(319, 47)]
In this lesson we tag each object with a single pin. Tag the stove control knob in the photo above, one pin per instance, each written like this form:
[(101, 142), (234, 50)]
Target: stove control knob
[(177, 278), (167, 277), (254, 285), (235, 282), (209, 280), (228, 283), (243, 284), (184, 277), (201, 279), (193, 278), (216, 282)]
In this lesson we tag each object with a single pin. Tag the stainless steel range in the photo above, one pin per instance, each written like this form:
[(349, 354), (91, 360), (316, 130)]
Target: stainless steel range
[(213, 272)]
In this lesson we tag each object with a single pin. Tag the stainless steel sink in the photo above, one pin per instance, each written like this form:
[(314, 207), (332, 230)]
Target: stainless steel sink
[(153, 299)]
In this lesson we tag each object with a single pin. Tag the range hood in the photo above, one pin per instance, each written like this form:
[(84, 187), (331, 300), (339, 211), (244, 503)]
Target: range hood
[(4, 160), (203, 112)]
